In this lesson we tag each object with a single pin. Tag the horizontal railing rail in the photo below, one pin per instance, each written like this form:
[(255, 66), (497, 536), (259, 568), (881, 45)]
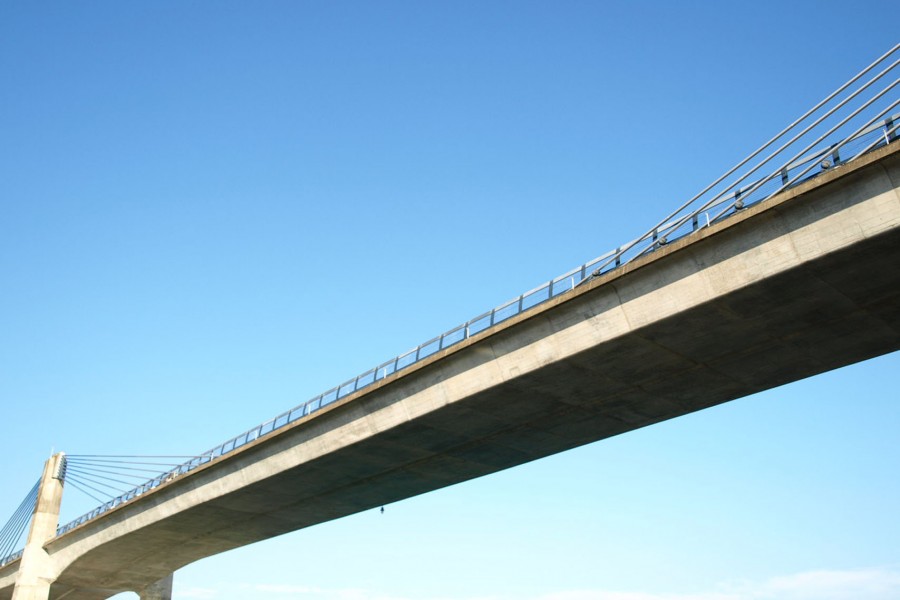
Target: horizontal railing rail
[(846, 136)]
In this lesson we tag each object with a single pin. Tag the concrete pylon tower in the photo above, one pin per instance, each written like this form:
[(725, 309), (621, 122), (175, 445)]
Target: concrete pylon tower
[(36, 571), (161, 590)]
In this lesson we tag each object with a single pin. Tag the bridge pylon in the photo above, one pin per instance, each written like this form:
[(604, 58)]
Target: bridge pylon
[(36, 572), (161, 590)]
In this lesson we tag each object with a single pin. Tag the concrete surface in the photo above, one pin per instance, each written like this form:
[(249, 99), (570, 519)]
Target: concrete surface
[(161, 590), (36, 568), (802, 284)]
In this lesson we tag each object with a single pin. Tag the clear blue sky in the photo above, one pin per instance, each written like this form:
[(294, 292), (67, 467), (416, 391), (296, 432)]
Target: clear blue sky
[(212, 211)]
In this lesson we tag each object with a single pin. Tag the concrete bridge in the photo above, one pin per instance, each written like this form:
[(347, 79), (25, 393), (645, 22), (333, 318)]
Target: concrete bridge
[(802, 283)]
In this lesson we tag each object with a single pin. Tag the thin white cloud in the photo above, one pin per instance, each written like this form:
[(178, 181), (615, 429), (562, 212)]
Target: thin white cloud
[(851, 584), (863, 584), (612, 595), (314, 593), (197, 592), (857, 584)]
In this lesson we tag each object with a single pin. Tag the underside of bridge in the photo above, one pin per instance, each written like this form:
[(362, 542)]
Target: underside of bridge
[(804, 283)]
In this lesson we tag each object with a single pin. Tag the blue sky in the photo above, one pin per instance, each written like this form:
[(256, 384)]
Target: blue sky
[(212, 212)]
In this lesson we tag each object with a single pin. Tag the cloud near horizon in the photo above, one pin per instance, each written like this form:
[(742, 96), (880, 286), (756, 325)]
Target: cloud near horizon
[(881, 583)]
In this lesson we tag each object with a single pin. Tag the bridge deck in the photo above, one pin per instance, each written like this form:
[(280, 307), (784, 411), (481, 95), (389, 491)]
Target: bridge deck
[(801, 284)]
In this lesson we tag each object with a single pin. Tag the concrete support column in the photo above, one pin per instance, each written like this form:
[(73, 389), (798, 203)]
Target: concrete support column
[(36, 571), (161, 590)]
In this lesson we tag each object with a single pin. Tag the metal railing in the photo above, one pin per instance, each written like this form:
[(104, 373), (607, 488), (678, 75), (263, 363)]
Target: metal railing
[(840, 131), (12, 557), (834, 125)]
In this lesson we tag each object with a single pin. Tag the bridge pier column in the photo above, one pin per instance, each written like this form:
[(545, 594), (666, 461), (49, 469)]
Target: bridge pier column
[(161, 590), (36, 571)]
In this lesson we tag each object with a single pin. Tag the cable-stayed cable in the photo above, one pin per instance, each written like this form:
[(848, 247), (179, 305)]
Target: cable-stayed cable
[(18, 523)]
